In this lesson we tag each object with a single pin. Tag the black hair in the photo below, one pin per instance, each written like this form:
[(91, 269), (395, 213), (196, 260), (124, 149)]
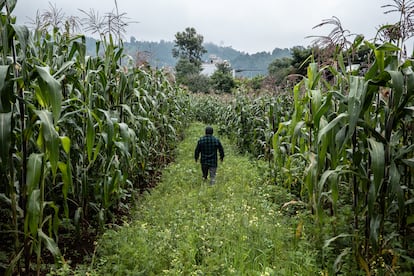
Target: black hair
[(209, 130)]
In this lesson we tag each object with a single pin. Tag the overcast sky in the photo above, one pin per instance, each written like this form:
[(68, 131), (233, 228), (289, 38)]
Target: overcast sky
[(245, 25)]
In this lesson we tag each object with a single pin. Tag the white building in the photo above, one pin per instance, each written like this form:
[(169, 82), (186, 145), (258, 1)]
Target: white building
[(209, 67)]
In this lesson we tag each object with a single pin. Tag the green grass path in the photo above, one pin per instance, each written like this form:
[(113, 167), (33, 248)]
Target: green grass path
[(186, 227)]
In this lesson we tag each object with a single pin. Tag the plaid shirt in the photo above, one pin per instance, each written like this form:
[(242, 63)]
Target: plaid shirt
[(208, 146)]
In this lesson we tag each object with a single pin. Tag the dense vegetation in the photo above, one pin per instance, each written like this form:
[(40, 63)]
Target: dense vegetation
[(184, 226), (158, 54), (81, 135), (344, 148)]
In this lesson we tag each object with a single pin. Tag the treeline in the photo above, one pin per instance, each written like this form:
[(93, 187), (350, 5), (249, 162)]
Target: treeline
[(158, 54)]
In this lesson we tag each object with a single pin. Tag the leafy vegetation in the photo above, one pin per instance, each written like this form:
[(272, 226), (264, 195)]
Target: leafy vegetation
[(189, 45), (189, 49), (184, 226), (80, 136), (158, 55), (342, 144), (222, 79)]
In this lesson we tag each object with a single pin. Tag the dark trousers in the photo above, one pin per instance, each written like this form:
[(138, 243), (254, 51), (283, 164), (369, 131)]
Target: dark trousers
[(205, 169)]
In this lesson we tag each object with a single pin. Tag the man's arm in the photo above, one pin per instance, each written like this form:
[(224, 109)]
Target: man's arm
[(197, 151), (221, 150)]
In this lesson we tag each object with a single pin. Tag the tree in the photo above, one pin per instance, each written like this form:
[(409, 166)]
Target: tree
[(189, 48), (189, 45), (184, 68), (280, 68), (300, 59), (188, 74), (222, 79)]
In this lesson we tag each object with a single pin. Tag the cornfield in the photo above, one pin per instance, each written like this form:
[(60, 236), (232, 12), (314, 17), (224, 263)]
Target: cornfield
[(78, 135), (345, 148)]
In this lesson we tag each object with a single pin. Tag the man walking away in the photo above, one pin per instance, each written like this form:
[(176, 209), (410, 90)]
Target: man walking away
[(208, 146)]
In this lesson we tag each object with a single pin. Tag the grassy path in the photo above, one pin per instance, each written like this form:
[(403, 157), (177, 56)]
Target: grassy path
[(186, 227)]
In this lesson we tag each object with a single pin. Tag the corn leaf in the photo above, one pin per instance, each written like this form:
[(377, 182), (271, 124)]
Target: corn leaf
[(23, 35), (337, 264), (13, 263), (396, 189), (50, 138), (377, 153), (388, 47), (49, 243), (90, 136), (33, 211), (356, 100), (5, 136), (331, 125), (397, 79), (374, 227), (322, 109), (380, 56), (66, 66), (65, 143), (6, 91), (11, 4), (316, 100), (66, 177), (53, 96), (34, 172), (409, 162), (328, 242)]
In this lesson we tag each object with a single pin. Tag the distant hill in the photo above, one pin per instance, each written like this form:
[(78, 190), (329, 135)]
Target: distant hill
[(159, 54)]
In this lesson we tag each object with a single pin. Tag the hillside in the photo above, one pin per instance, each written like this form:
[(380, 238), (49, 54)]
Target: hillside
[(159, 55)]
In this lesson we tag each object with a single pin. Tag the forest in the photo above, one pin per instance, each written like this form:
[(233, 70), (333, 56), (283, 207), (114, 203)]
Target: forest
[(98, 178), (158, 55)]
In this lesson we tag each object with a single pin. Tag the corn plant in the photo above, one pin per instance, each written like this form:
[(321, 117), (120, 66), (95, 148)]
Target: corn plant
[(345, 148), (354, 140), (79, 134)]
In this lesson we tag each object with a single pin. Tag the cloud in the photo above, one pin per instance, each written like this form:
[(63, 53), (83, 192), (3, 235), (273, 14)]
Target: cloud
[(246, 25)]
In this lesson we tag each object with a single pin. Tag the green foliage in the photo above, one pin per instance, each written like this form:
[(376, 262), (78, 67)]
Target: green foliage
[(189, 49), (256, 83), (343, 146), (198, 83), (184, 226), (189, 45), (222, 79), (207, 108), (247, 121), (300, 59), (184, 69), (80, 135), (279, 69), (188, 74), (345, 150)]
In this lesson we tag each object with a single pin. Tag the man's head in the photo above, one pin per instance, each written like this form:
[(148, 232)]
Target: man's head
[(209, 130)]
